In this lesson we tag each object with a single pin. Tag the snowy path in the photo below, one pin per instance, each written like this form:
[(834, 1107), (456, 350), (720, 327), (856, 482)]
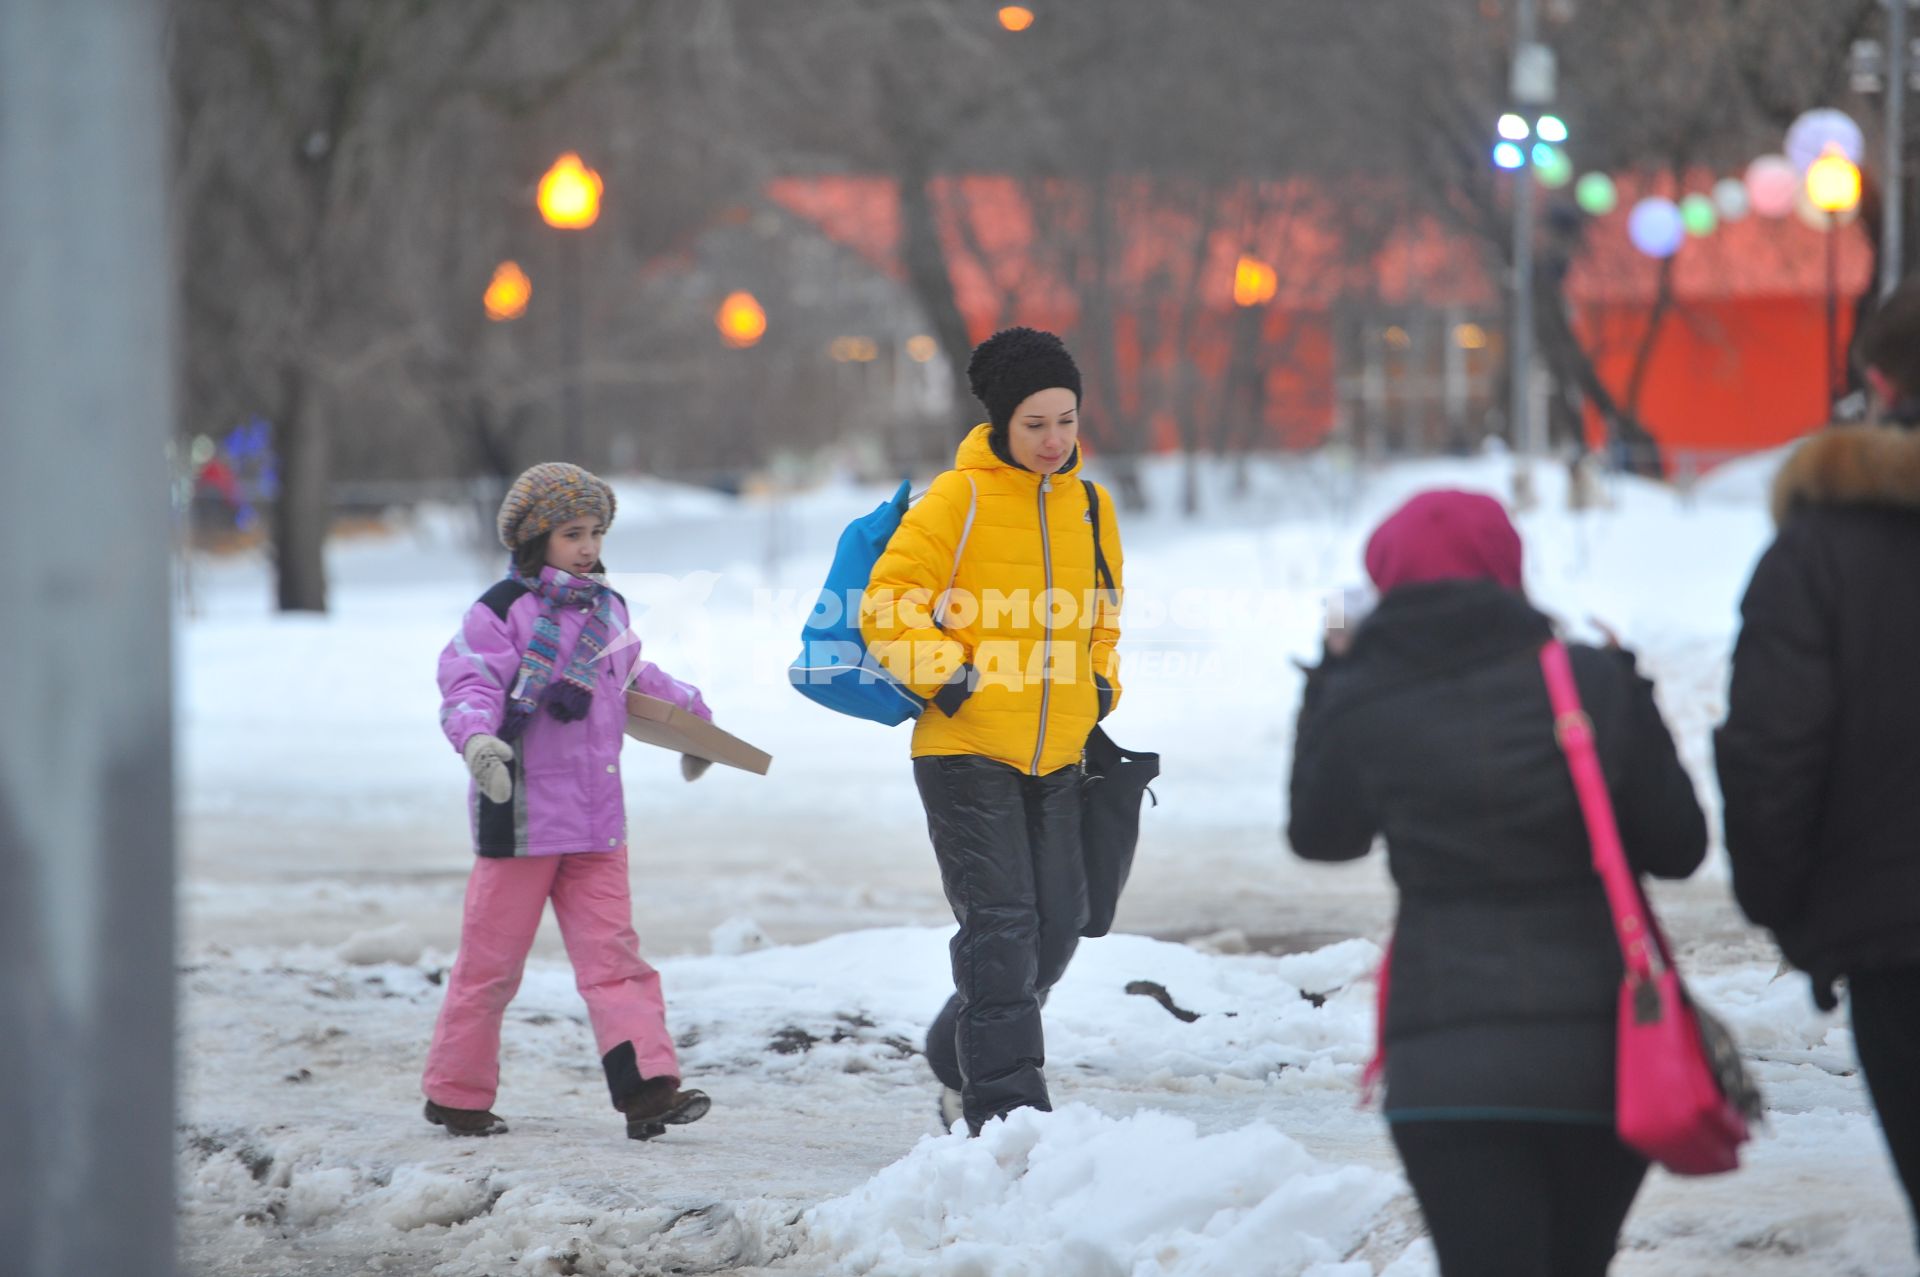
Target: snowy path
[(322, 816), (304, 1153)]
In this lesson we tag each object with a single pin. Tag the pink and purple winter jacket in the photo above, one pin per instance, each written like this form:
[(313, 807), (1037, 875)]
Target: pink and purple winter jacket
[(566, 776)]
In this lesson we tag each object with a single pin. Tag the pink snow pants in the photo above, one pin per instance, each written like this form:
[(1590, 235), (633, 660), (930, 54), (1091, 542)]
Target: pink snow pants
[(505, 898)]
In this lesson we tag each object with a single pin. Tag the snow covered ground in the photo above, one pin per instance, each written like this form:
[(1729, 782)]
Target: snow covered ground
[(799, 926)]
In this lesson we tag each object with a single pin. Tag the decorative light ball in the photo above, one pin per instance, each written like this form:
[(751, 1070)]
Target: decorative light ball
[(1772, 183), (1833, 183), (1596, 194), (1730, 197), (1809, 137), (1656, 227), (1699, 216)]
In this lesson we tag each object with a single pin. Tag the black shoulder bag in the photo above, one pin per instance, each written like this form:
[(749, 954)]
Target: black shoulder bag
[(1112, 784)]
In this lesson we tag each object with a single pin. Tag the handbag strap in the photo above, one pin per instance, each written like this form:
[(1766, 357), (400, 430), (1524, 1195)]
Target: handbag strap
[(1641, 945), (1099, 558)]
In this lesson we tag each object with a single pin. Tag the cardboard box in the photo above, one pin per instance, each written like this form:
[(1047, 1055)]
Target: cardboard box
[(665, 724)]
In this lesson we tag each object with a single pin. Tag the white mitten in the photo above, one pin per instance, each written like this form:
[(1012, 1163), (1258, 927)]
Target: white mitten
[(487, 758), (694, 768)]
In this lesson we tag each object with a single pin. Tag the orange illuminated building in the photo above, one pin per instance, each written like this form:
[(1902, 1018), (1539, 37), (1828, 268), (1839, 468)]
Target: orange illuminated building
[(1392, 324)]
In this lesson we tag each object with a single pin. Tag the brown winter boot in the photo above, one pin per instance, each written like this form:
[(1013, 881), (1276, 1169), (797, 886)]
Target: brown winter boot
[(659, 1103), (465, 1121)]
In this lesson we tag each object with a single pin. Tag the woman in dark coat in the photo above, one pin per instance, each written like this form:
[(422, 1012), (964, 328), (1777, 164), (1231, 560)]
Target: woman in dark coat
[(1433, 729)]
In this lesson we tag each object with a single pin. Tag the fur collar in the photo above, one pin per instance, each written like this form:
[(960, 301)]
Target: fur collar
[(1851, 465)]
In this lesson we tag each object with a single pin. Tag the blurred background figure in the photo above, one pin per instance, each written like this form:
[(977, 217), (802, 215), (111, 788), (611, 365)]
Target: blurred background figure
[(1818, 750)]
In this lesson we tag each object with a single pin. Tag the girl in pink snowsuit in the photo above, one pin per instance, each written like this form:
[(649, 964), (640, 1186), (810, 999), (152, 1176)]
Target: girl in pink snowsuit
[(533, 700)]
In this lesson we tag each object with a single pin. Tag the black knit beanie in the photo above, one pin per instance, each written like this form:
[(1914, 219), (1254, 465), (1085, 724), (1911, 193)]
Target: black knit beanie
[(1015, 363)]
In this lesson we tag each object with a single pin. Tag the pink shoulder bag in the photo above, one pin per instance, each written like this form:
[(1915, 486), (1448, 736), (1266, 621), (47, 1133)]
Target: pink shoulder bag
[(1682, 1097)]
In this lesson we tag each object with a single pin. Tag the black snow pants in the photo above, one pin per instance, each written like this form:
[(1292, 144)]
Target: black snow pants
[(1009, 851)]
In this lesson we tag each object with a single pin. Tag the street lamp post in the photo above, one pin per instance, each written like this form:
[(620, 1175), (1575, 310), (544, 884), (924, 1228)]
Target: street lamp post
[(1521, 368), (570, 322), (1894, 192), (1531, 86), (1255, 284), (1833, 186), (1878, 66), (569, 200), (1832, 306)]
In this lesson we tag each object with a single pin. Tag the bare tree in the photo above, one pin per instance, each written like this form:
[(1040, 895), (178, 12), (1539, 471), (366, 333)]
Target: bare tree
[(299, 121), (351, 171), (1648, 85)]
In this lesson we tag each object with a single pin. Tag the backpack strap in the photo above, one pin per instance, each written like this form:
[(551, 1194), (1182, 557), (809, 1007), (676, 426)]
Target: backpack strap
[(502, 595), (966, 530), (1100, 568)]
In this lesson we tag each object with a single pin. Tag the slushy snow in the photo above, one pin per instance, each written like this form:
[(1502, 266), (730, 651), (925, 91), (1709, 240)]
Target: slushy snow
[(801, 935)]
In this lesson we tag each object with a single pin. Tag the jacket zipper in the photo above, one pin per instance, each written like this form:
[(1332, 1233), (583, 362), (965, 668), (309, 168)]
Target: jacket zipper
[(1046, 650)]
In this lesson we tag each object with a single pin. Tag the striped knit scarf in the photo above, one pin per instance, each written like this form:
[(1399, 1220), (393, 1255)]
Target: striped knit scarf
[(569, 698)]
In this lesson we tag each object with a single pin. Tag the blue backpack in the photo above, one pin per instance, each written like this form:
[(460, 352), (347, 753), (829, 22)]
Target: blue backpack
[(834, 667)]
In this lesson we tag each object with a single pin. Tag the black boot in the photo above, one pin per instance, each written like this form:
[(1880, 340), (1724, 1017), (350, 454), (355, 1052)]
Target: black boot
[(659, 1103)]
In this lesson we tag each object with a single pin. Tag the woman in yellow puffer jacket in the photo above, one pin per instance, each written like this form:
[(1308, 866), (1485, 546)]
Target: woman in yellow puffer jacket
[(989, 603)]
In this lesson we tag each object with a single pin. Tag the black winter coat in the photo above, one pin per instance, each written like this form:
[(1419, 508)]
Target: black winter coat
[(1436, 731), (1819, 758)]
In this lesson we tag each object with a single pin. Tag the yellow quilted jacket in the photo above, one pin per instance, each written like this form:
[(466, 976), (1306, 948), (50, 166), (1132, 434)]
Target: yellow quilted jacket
[(994, 567)]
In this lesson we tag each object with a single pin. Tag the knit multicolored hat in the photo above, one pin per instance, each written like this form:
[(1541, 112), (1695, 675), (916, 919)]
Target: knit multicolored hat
[(1015, 363), (548, 495)]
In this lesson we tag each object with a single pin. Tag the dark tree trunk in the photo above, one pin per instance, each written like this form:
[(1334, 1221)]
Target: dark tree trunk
[(300, 511), (1573, 366), (1643, 361), (1124, 434)]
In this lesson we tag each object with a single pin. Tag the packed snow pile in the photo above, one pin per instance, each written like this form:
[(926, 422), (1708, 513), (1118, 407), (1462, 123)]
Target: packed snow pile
[(860, 1002), (1076, 1193)]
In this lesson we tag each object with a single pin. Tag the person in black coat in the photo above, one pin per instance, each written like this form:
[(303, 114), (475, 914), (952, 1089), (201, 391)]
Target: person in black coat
[(1819, 758), (1434, 729)]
